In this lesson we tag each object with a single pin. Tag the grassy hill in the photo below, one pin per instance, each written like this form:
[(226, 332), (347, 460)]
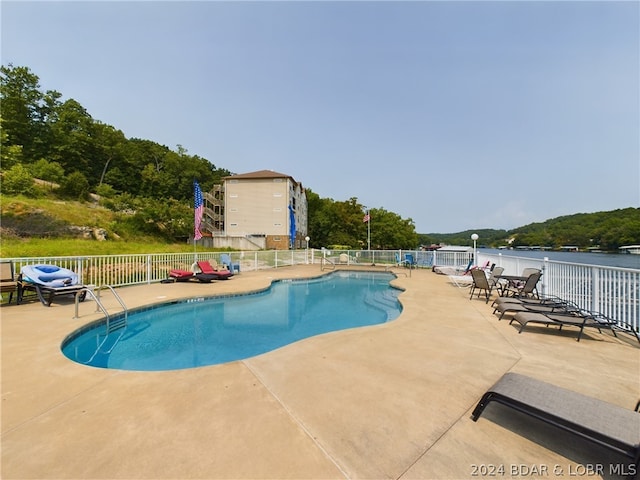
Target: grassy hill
[(50, 227)]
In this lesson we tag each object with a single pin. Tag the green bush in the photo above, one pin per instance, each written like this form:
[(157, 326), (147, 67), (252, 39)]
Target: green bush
[(49, 171), (17, 180), (75, 186)]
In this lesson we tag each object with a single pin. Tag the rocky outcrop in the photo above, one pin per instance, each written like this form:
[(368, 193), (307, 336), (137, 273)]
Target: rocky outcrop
[(88, 233)]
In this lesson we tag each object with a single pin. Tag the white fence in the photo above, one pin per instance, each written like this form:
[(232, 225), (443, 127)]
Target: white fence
[(611, 291), (614, 292)]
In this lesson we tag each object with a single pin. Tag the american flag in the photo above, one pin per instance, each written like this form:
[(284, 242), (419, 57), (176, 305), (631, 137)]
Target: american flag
[(366, 218), (199, 209)]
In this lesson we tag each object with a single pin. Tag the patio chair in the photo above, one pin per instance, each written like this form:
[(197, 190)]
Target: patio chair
[(528, 289), (494, 276), (225, 258), (600, 422), (480, 283), (8, 282), (407, 261)]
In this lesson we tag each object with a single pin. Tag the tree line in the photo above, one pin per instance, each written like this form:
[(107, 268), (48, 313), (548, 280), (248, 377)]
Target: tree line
[(606, 231)]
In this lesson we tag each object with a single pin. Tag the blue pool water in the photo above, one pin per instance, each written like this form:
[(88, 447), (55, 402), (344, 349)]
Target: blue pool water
[(209, 331)]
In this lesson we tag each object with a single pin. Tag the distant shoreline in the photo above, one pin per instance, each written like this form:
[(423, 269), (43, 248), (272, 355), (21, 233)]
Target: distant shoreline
[(621, 260)]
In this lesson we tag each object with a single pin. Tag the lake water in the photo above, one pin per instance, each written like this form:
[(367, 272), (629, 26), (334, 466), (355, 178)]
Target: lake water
[(609, 259)]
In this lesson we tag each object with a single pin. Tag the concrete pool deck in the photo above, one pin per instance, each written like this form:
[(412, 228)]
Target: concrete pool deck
[(388, 401)]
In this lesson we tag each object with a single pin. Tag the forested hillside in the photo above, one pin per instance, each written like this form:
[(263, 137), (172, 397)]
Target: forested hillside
[(604, 230)]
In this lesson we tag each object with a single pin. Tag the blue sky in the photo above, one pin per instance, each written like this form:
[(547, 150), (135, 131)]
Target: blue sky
[(459, 115)]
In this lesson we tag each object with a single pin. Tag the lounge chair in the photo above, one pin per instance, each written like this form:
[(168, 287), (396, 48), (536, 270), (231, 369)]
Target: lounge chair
[(185, 276), (512, 308), (480, 283), (575, 318), (605, 424), (49, 281), (207, 268), (8, 282), (225, 258), (514, 305), (542, 300)]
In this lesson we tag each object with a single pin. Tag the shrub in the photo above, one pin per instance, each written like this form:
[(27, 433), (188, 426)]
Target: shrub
[(17, 180), (75, 186), (49, 171)]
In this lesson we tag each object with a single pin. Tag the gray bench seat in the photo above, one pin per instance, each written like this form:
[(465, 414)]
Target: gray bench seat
[(609, 425)]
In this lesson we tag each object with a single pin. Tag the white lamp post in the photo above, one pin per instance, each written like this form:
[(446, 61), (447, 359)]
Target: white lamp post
[(306, 254), (475, 237)]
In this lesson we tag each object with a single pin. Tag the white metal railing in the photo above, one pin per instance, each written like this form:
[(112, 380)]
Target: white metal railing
[(612, 291)]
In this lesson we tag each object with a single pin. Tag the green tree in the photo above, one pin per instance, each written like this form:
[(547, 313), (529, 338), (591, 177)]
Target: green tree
[(10, 155), (73, 141), (390, 231), (18, 180), (109, 148), (26, 111)]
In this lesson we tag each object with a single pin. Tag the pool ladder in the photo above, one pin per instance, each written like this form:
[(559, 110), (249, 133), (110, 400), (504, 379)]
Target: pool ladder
[(111, 325), (325, 261)]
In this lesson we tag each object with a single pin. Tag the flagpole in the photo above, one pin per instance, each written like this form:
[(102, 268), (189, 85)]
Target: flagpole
[(368, 231)]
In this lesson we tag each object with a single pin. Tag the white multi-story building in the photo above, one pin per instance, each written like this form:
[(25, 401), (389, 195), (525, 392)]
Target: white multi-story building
[(263, 209)]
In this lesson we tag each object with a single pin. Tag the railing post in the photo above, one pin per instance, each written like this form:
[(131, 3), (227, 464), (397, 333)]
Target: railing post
[(149, 269), (595, 289), (79, 270), (545, 267)]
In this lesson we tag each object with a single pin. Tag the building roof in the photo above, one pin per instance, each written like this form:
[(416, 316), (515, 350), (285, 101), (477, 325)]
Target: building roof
[(260, 174)]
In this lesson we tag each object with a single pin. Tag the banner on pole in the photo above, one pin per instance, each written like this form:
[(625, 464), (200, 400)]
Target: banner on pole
[(199, 210)]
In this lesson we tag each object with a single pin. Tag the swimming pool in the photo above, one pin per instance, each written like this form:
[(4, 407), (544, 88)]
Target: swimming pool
[(214, 330)]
